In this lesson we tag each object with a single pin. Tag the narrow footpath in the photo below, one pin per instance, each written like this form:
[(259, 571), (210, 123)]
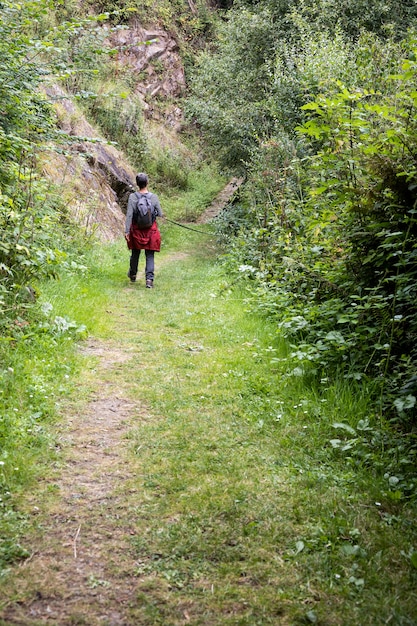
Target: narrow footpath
[(190, 487), (148, 517), (79, 571)]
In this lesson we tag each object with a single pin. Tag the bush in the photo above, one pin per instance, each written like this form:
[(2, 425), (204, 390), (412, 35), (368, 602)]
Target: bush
[(333, 252)]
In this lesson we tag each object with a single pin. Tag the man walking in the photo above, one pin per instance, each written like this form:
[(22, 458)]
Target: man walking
[(137, 238)]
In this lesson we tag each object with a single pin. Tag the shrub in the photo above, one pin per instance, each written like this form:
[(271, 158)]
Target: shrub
[(332, 247)]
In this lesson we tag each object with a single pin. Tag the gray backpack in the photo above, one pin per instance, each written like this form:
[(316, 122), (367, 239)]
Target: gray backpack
[(143, 212)]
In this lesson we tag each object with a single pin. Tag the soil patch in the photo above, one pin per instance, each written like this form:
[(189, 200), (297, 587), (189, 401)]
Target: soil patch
[(80, 571)]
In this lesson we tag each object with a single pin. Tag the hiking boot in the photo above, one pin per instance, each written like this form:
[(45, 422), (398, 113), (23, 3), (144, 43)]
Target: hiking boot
[(149, 283), (131, 277)]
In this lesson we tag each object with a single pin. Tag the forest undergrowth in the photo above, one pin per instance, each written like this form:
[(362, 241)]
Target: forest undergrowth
[(254, 496)]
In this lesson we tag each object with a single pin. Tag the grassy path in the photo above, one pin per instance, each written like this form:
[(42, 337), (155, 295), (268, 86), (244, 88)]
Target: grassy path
[(196, 482)]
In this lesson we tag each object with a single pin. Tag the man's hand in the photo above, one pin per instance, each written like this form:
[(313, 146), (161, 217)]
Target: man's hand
[(127, 237)]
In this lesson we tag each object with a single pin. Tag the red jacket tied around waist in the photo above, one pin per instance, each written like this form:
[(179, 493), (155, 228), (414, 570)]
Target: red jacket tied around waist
[(144, 238)]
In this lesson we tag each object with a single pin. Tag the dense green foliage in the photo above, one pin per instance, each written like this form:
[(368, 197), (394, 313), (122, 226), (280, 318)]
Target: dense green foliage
[(35, 230), (351, 16), (271, 57), (362, 196), (25, 248), (246, 89), (321, 117)]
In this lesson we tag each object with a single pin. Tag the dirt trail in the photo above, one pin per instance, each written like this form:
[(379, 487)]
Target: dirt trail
[(80, 571)]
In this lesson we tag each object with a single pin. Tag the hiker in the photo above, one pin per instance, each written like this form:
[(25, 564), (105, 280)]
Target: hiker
[(137, 236)]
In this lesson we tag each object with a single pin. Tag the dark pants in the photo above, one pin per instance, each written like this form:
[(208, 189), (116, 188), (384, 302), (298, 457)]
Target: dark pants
[(150, 263)]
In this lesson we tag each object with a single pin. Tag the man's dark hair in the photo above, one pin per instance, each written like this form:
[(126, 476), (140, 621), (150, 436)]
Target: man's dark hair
[(141, 180)]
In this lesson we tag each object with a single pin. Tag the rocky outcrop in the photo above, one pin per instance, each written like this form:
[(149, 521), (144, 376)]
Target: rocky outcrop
[(94, 178), (225, 197), (152, 55)]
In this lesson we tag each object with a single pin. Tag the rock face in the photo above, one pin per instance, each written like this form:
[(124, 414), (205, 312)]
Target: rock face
[(153, 57), (94, 177)]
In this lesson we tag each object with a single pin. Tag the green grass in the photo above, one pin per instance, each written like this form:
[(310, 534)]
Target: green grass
[(202, 186), (37, 373), (244, 511)]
